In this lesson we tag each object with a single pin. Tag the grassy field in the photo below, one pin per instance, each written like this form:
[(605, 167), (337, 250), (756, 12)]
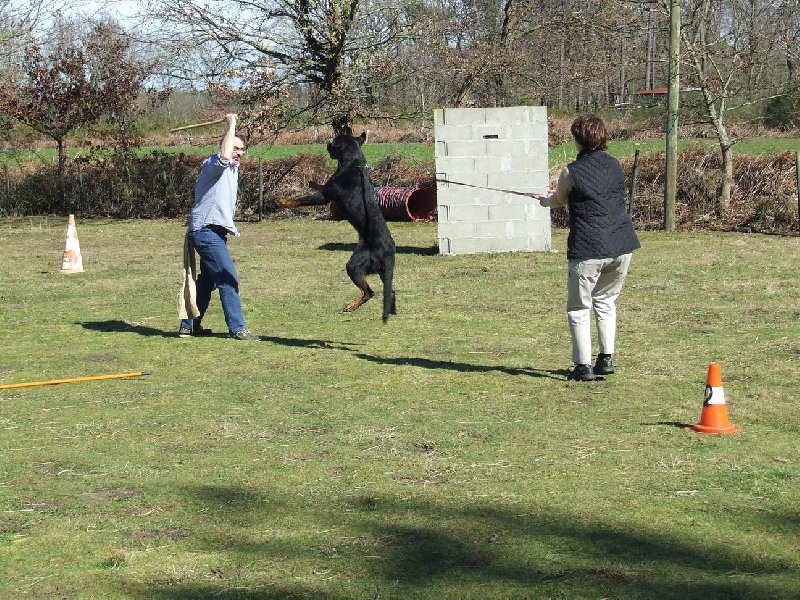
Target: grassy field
[(441, 455), (419, 152), (558, 155)]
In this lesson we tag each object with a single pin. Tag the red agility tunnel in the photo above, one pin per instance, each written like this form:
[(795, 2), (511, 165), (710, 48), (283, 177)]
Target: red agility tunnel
[(403, 204)]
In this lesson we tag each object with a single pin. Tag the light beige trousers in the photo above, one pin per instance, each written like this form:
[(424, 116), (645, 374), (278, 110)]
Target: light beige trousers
[(594, 283)]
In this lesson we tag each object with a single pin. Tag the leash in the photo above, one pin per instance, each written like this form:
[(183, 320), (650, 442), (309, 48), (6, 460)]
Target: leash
[(528, 194)]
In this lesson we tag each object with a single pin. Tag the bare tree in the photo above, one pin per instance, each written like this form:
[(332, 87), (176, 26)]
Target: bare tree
[(724, 52), (317, 43)]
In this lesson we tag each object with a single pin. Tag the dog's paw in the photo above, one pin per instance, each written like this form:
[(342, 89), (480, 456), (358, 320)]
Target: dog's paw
[(284, 203)]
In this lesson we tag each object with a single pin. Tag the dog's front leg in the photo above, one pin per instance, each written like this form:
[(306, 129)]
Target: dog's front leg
[(311, 200)]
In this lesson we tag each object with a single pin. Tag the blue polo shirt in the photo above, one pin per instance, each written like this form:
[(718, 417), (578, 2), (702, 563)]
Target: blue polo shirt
[(215, 195)]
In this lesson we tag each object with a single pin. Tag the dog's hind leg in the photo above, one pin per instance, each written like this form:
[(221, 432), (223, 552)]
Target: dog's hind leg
[(357, 270), (389, 297)]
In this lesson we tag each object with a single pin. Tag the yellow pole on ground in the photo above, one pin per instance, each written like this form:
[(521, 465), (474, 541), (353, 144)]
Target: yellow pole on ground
[(10, 386)]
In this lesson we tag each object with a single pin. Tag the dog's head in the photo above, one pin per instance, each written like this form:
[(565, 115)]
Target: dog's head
[(347, 148)]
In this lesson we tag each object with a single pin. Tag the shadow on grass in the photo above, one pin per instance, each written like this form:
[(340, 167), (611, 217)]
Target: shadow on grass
[(342, 247), (394, 547), (426, 363), (300, 343), (117, 326)]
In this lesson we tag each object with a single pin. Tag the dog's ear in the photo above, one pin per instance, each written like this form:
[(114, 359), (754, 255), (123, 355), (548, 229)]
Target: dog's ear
[(362, 138)]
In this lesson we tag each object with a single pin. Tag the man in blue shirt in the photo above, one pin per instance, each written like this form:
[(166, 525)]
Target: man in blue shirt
[(210, 222)]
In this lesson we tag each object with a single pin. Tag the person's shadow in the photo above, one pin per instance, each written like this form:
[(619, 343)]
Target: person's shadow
[(117, 326)]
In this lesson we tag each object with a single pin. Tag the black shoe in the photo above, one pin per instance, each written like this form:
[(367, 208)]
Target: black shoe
[(194, 332), (581, 373), (245, 334), (603, 365)]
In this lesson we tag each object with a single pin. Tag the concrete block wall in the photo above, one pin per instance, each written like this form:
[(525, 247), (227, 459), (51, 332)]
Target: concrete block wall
[(484, 148)]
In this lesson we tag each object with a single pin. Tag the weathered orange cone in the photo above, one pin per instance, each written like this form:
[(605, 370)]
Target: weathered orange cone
[(71, 261), (714, 416)]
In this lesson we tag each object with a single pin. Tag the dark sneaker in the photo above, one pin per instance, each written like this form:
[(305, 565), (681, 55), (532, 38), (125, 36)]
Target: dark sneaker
[(194, 332), (603, 365), (581, 373), (245, 334)]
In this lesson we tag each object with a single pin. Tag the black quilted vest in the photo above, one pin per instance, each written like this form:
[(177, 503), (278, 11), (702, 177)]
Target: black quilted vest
[(599, 225)]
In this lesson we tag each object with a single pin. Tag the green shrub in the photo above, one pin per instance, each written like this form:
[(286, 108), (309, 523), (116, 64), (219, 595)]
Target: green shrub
[(783, 112)]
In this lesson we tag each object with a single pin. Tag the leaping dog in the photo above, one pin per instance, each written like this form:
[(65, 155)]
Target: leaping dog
[(351, 190)]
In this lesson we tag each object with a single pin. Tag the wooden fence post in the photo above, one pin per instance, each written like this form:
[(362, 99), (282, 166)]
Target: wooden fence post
[(260, 188), (8, 184), (797, 189)]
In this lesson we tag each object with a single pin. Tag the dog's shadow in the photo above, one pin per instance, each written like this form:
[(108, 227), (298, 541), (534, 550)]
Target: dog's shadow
[(426, 363), (300, 343), (346, 247)]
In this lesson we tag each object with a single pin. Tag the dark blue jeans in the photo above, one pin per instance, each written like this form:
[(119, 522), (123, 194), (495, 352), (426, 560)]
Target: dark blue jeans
[(216, 272)]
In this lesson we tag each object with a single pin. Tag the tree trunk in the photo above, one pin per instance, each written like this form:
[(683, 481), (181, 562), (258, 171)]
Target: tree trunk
[(727, 181)]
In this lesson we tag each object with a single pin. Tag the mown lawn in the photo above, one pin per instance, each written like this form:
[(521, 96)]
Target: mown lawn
[(441, 455)]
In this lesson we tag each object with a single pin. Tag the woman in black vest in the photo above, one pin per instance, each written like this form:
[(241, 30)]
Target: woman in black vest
[(599, 246)]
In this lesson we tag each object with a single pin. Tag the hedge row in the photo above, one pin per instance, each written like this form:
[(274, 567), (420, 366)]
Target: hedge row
[(161, 186)]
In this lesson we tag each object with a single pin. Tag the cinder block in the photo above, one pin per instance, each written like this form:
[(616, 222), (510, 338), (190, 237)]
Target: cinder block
[(453, 133), (505, 147), (531, 162), (466, 148), (495, 229), (531, 131), (457, 229), (468, 212), (461, 180), (491, 164), (458, 164), (516, 210), (516, 181), (470, 245), (495, 131), (463, 116), (517, 114)]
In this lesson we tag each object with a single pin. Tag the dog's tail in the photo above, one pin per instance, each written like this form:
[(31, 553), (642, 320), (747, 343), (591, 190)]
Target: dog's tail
[(389, 297)]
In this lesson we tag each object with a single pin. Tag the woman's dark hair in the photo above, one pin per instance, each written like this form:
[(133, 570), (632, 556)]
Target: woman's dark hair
[(590, 132)]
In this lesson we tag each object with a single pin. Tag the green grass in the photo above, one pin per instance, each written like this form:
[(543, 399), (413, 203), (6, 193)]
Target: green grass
[(419, 152), (441, 455)]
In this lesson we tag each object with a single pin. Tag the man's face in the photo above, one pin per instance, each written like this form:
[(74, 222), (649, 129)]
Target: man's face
[(238, 150)]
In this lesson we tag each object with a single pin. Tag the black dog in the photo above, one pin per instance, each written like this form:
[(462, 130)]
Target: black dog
[(351, 190)]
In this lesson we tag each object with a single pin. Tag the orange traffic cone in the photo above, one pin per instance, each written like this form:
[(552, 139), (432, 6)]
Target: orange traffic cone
[(71, 261), (714, 416)]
